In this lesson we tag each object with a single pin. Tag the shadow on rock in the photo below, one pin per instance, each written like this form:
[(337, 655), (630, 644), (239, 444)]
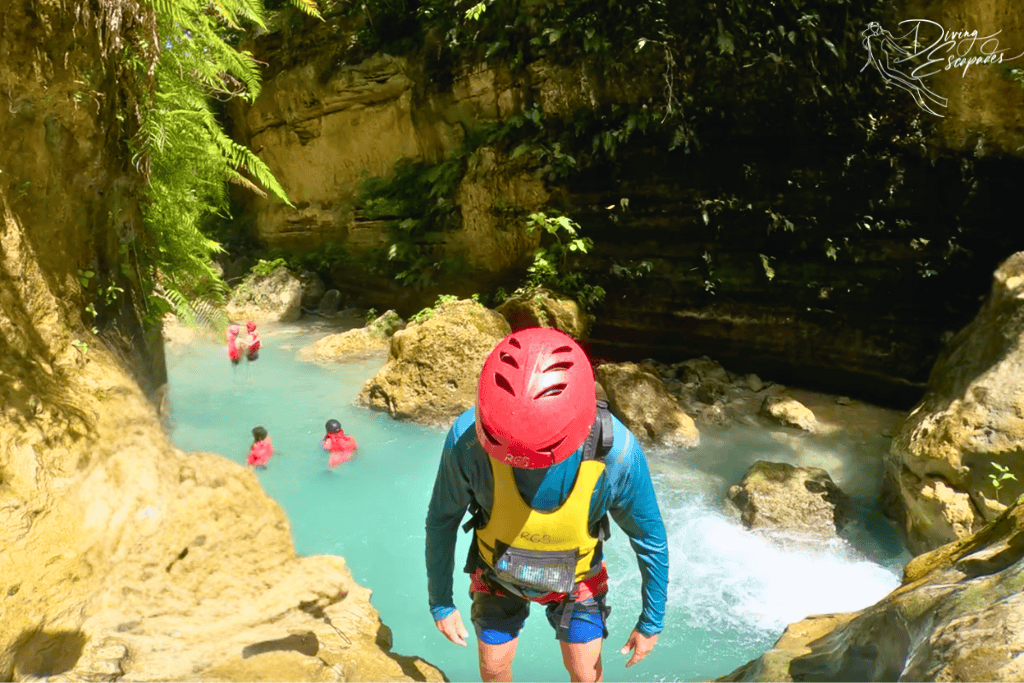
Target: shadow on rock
[(304, 643), (41, 653)]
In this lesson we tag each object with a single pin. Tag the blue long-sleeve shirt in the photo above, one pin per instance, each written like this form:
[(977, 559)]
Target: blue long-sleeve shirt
[(625, 491)]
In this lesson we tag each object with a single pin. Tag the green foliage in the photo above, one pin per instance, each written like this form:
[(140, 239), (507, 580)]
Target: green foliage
[(551, 264), (83, 347), (427, 313), (264, 268), (418, 203), (997, 478), (320, 260), (189, 157), (632, 271)]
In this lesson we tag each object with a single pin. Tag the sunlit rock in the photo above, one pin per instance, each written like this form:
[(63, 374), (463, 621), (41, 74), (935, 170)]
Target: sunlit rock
[(789, 412), (541, 307), (124, 557), (639, 398), (493, 198), (943, 467), (275, 297), (778, 495), (959, 616), (357, 343), (433, 366)]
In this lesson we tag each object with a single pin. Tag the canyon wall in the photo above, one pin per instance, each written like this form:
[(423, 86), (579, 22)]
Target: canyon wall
[(737, 269), (124, 557)]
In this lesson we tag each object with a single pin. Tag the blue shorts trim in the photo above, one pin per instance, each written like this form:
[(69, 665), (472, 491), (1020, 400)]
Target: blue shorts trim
[(498, 619)]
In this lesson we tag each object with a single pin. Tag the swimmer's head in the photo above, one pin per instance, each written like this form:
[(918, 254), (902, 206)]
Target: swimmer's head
[(333, 426), (259, 433), (250, 326), (233, 330)]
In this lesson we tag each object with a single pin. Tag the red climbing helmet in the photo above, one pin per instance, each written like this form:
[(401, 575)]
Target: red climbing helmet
[(536, 401)]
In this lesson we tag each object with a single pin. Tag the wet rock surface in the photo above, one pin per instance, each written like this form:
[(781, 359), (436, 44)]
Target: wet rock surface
[(943, 469), (781, 496)]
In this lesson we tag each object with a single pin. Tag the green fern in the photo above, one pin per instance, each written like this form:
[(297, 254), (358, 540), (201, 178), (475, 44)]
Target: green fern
[(190, 157)]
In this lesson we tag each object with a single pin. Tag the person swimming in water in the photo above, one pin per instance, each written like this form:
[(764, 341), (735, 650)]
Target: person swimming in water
[(262, 448), (252, 346), (234, 345), (337, 444)]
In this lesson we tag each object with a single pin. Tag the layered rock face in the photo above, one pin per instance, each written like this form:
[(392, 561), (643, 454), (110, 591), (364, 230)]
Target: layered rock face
[(124, 557), (865, 322), (943, 466), (319, 138)]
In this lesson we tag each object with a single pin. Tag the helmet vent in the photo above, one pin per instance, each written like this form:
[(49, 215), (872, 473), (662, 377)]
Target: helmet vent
[(550, 450), (563, 349), (514, 342), (489, 436), (500, 380), (562, 365), (508, 360), (553, 390)]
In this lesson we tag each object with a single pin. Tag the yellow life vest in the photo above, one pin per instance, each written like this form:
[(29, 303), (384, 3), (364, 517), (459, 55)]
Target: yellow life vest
[(541, 550)]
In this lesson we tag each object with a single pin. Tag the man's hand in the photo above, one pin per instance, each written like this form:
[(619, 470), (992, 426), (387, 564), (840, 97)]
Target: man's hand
[(638, 642), (453, 629)]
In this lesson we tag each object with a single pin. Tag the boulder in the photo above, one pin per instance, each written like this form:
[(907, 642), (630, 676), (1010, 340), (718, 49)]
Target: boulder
[(275, 297), (541, 307), (433, 366), (942, 469), (789, 412), (329, 303), (312, 289), (958, 616), (778, 495), (696, 370), (639, 398), (357, 343)]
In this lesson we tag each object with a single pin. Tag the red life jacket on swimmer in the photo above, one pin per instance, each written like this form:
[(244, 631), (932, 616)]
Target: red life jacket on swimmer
[(545, 553), (252, 351), (338, 441)]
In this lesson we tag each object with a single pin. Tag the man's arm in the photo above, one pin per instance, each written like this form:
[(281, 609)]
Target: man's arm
[(448, 505), (634, 507)]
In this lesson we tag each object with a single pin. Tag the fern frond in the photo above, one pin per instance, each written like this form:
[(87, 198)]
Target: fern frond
[(309, 7), (242, 157), (238, 179)]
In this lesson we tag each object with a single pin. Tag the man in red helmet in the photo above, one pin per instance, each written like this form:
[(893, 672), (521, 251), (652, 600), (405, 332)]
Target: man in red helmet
[(542, 467)]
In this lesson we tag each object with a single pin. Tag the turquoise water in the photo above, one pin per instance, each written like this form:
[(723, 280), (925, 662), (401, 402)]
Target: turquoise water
[(731, 591)]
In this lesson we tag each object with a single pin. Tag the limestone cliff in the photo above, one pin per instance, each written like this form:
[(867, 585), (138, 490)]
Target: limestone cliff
[(123, 557), (865, 320)]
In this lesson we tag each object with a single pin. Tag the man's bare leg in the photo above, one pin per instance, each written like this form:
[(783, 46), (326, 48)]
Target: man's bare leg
[(496, 660), (583, 660)]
